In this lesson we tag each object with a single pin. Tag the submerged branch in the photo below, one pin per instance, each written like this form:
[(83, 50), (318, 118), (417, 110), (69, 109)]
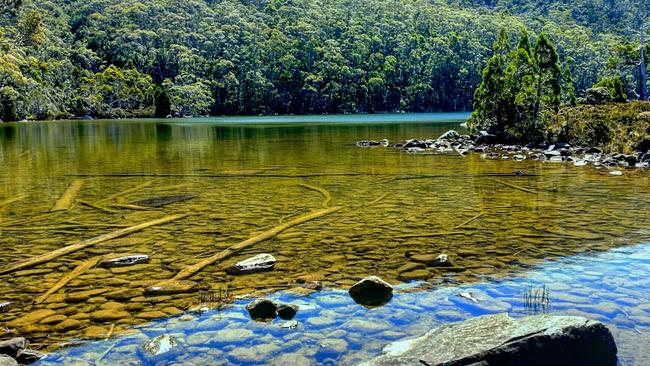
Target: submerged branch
[(44, 258), (527, 190), (79, 270), (326, 194), (67, 199)]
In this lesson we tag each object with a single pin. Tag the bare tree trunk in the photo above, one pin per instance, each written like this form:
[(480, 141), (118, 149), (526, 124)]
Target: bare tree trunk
[(642, 65)]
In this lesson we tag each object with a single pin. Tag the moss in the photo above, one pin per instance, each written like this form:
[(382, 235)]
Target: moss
[(622, 127)]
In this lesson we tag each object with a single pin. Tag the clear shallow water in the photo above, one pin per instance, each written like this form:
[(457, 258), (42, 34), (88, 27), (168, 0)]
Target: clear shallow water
[(612, 287), (247, 178)]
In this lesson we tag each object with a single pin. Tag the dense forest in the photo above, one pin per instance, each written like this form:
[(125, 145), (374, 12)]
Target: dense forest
[(119, 58)]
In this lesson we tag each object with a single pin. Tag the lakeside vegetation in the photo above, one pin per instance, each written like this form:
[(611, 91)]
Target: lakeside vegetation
[(109, 58)]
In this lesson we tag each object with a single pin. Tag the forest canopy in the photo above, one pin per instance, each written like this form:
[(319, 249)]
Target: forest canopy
[(121, 58)]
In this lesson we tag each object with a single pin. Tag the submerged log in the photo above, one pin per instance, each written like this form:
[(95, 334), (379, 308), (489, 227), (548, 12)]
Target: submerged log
[(98, 207), (432, 235), (80, 269), (43, 258), (514, 186), (326, 194), (67, 199), (190, 271), (162, 201), (8, 201), (470, 220)]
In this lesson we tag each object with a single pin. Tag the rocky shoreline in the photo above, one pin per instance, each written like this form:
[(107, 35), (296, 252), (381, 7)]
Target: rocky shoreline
[(452, 142)]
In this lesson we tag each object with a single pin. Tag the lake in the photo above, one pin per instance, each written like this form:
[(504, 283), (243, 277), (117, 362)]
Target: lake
[(576, 231)]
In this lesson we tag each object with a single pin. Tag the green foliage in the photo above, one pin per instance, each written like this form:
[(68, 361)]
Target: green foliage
[(268, 56), (617, 127), (616, 88), (517, 87)]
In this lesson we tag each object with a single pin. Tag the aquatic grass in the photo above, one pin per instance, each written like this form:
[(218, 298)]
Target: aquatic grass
[(214, 298), (536, 299)]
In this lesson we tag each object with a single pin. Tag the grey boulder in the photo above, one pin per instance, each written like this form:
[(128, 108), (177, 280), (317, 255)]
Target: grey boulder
[(501, 340)]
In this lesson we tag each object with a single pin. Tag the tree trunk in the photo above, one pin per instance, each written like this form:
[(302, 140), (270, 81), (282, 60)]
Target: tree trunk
[(643, 67)]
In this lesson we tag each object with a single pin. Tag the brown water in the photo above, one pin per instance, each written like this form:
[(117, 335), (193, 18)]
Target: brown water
[(247, 178)]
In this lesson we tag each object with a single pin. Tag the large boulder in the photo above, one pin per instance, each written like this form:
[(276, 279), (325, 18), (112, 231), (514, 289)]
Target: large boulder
[(501, 340), (371, 291)]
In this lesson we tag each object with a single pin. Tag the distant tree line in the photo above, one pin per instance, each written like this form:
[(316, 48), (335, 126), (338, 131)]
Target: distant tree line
[(125, 58)]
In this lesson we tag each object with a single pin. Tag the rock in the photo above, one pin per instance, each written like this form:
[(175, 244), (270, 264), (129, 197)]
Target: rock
[(68, 324), (450, 135), (261, 309), (31, 318), (109, 315), (7, 361), (500, 340), (418, 274), (287, 311), (291, 324), (409, 267), (12, 346), (5, 306), (258, 263), (441, 260), (128, 260), (371, 291), (162, 201), (172, 287), (616, 173), (29, 356), (160, 345), (486, 139), (519, 157), (367, 143)]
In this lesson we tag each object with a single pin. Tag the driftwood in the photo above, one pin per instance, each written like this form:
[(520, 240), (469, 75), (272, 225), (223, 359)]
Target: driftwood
[(327, 197), (60, 227), (127, 206), (431, 235), (8, 201), (67, 199), (110, 332), (126, 192), (514, 186), (97, 207), (80, 269), (43, 258), (190, 271), (378, 199), (470, 220)]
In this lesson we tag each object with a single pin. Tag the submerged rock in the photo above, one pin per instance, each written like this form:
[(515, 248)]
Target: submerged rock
[(371, 291), (160, 345), (261, 309), (501, 340), (258, 263)]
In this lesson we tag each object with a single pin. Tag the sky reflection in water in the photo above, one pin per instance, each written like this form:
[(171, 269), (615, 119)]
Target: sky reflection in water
[(613, 287)]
